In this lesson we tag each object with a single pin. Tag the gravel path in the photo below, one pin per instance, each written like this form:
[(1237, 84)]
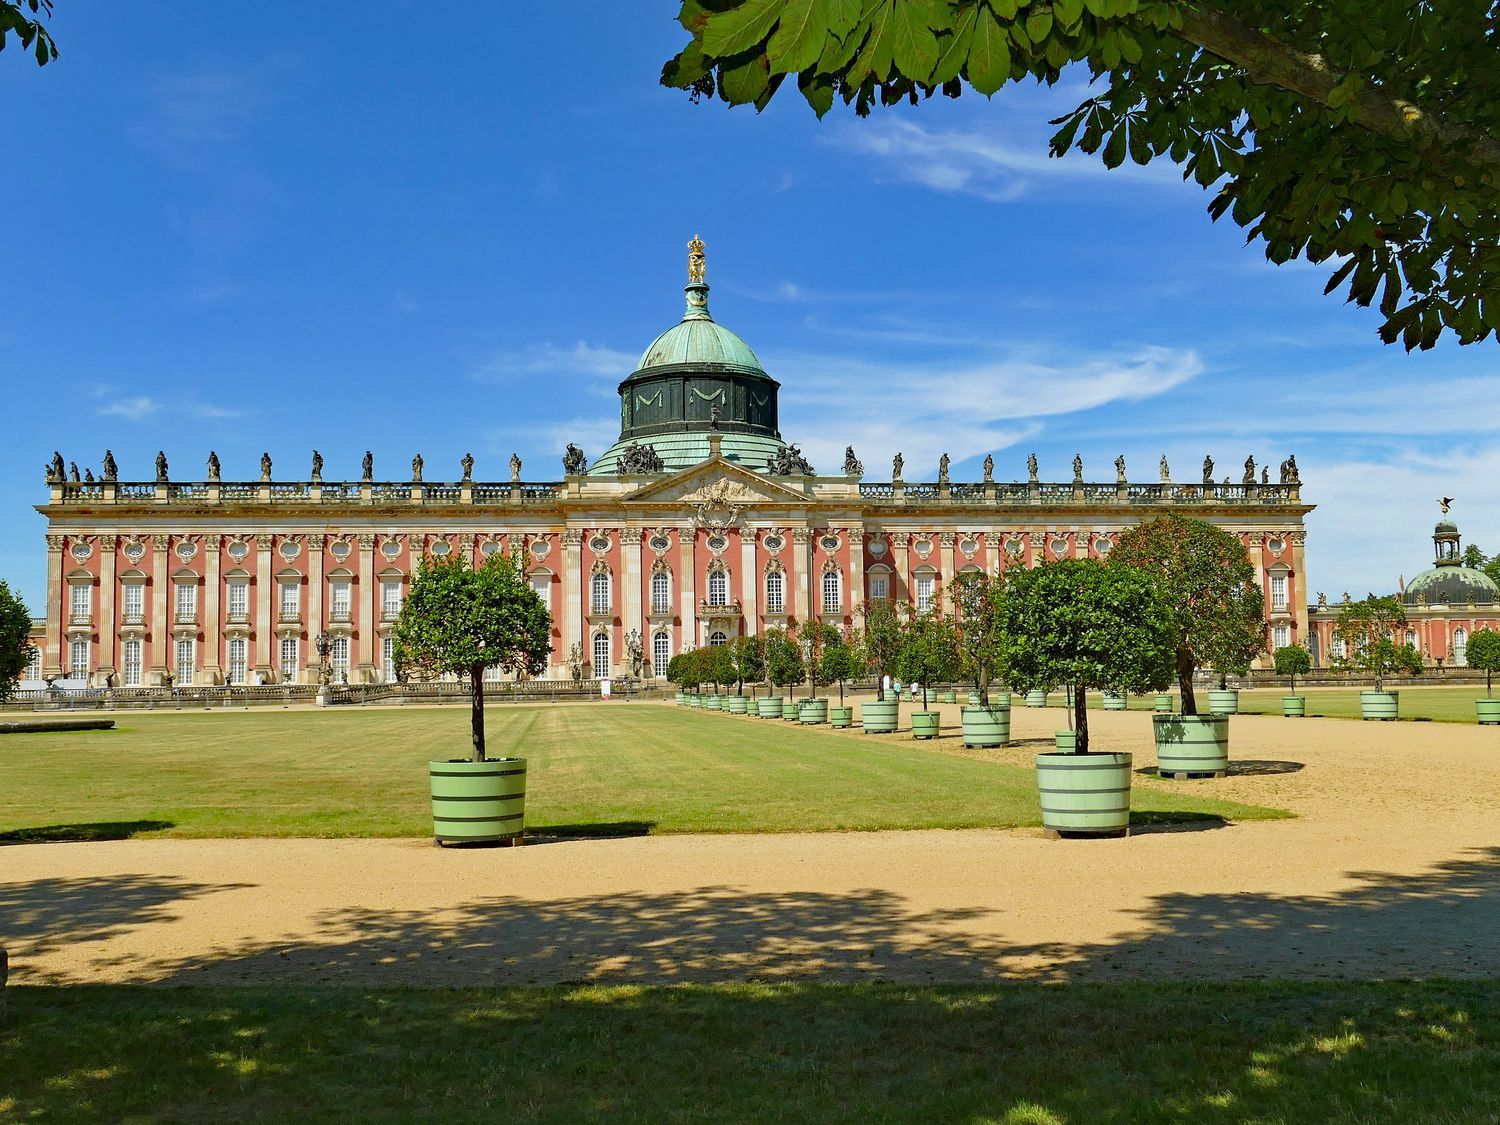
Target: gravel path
[(1392, 869)]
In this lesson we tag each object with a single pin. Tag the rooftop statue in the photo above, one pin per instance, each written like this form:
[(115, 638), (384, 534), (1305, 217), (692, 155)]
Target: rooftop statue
[(1031, 467), (789, 462), (55, 470), (1293, 476), (1265, 475), (515, 467), (213, 465), (943, 469), (416, 469), (637, 460), (1120, 469), (467, 465), (853, 466), (1249, 477), (367, 467), (1077, 469), (574, 461), (697, 262), (898, 463), (88, 476), (265, 466), (317, 466), (989, 468), (73, 472), (1444, 503), (111, 470), (161, 466), (1208, 470), (1166, 471)]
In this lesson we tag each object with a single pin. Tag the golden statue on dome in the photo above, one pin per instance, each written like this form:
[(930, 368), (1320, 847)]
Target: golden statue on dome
[(697, 263)]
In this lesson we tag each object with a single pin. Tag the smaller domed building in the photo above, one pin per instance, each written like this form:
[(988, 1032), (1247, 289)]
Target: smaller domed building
[(1445, 605)]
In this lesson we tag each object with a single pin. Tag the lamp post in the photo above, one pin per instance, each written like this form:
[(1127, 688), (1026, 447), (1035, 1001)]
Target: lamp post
[(322, 643)]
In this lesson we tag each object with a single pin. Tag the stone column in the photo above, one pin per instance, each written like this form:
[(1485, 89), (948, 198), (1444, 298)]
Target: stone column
[(749, 580), (572, 586), (688, 586), (368, 643), (1297, 593), (901, 549), (265, 609), (947, 569), (52, 658), (803, 579), (854, 592), (213, 639), (106, 618), (632, 614), (992, 552), (310, 659), (161, 606)]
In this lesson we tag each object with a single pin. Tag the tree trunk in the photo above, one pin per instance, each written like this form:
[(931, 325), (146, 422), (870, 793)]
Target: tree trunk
[(1185, 681), (1081, 718), (476, 711)]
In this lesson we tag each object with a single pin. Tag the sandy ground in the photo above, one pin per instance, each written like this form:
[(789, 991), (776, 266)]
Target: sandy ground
[(1392, 869)]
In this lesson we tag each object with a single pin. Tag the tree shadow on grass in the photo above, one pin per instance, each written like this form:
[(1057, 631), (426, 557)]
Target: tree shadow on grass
[(80, 833)]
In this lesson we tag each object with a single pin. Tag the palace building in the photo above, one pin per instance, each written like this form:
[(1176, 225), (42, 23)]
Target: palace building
[(700, 523)]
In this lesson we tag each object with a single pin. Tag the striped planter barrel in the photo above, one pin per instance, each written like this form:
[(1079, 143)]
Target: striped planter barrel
[(1191, 744), (1294, 706), (841, 718), (986, 726), (695, 701), (1489, 712), (924, 724), (879, 716), (1384, 706), (1163, 704), (1113, 701), (478, 802), (681, 698), (1084, 794), (1067, 741), (947, 697), (1036, 698), (736, 705), (769, 707), (1224, 702), (789, 710), (713, 703), (812, 711)]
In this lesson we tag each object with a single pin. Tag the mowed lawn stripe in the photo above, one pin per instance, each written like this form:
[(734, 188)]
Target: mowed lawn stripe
[(592, 769)]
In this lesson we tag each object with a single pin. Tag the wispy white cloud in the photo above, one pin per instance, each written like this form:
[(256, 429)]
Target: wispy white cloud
[(578, 358), (134, 409), (141, 407)]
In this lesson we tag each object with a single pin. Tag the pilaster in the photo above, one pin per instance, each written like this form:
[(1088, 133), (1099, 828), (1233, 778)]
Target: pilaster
[(749, 581), (802, 581), (947, 570), (366, 593), (52, 662), (213, 638), (572, 559), (688, 586), (632, 616), (106, 618), (312, 663), (265, 607), (901, 550), (1297, 595), (161, 605), (854, 593)]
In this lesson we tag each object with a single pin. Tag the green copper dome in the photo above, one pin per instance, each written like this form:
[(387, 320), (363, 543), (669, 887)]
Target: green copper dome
[(699, 341), (1452, 585)]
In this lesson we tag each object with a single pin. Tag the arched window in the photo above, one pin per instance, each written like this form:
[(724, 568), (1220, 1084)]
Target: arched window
[(775, 592), (599, 594), (1411, 637), (601, 656), (661, 592), (661, 652), (717, 638), (718, 587), (832, 592), (926, 582), (1460, 646)]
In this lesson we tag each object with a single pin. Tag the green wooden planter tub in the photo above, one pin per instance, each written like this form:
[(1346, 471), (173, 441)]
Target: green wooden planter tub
[(1294, 706), (478, 802), (841, 718), (1163, 703), (1113, 701), (986, 726), (1489, 712), (681, 698), (737, 705), (769, 707), (812, 711), (947, 697), (713, 703), (1380, 706), (1191, 745), (972, 699), (924, 724), (1224, 702), (789, 710), (1036, 698), (695, 701), (879, 716), (1084, 794)]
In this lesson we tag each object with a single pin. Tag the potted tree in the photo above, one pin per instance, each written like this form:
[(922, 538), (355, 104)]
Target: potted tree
[(16, 648), (462, 620), (881, 631), (1484, 654), (749, 665), (1081, 623), (840, 663), (784, 668), (813, 639), (1292, 661), (1365, 629), (1218, 620), (978, 604), (928, 653)]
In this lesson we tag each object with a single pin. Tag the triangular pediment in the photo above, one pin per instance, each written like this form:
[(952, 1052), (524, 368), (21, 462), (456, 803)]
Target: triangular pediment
[(716, 482)]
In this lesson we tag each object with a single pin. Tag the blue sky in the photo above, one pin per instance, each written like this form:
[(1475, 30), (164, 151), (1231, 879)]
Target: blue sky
[(448, 229)]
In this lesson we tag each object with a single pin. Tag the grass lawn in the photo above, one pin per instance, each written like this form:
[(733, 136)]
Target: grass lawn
[(1436, 704), (593, 769), (1336, 1052)]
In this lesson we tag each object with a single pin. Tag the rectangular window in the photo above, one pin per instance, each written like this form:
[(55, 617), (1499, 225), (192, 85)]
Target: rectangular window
[(338, 656), (388, 659), (661, 593), (237, 647), (132, 654), (34, 665), (1278, 591), (661, 652), (542, 584), (183, 674), (187, 602), (390, 600), (135, 603), (1281, 636), (78, 659), (880, 587), (239, 601), (925, 587), (599, 594), (338, 603), (83, 602), (288, 660), (832, 600), (776, 592), (291, 601)]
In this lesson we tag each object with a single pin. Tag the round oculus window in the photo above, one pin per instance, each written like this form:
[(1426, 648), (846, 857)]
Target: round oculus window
[(539, 548), (1275, 545), (717, 543), (599, 544), (239, 550), (186, 551), (923, 548), (1104, 546), (877, 547), (288, 550), (968, 546), (340, 550), (391, 548), (660, 543), (442, 547), (490, 548), (774, 542), (135, 552), (830, 542), (1016, 548), (82, 551)]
